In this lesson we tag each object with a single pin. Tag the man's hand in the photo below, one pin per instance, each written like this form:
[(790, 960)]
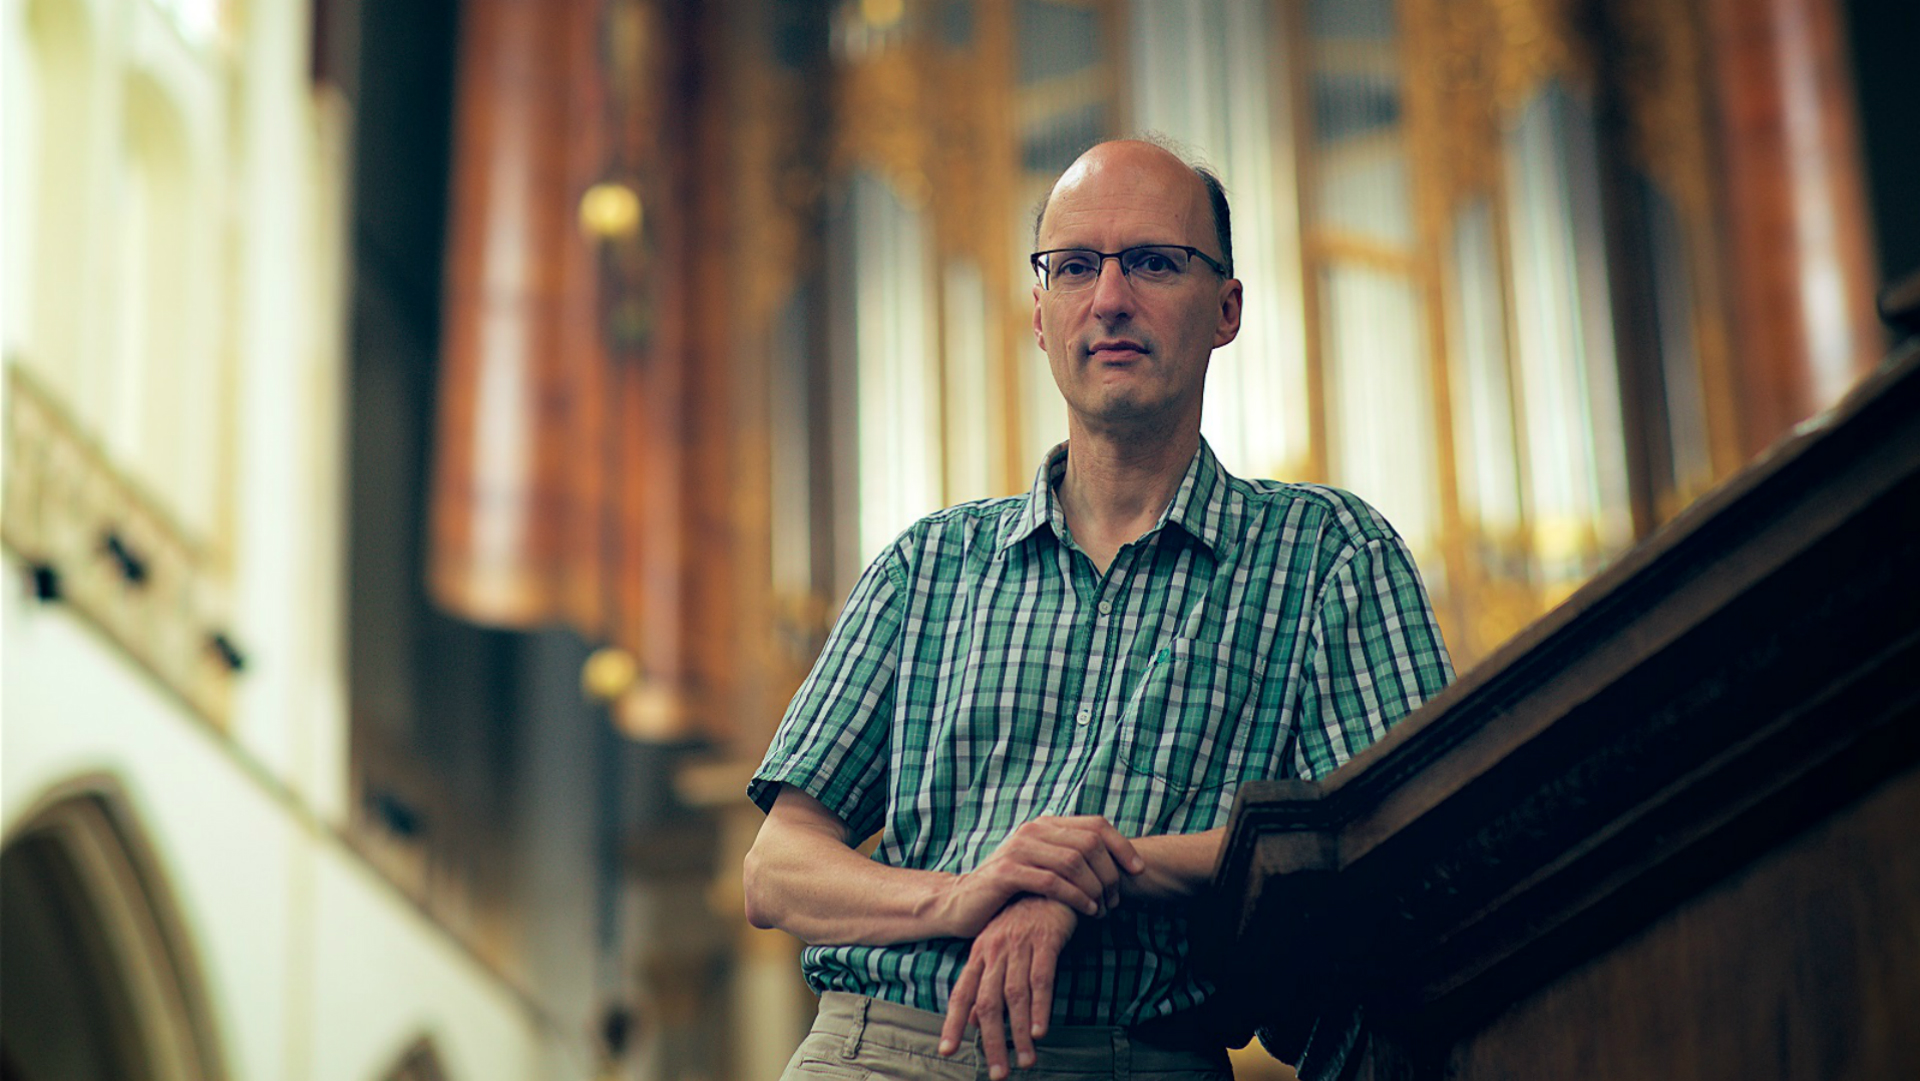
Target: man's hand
[(1079, 861), (1006, 987)]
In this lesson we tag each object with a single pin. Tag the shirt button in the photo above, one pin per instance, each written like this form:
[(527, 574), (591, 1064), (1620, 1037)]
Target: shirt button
[(1083, 716), (1106, 607)]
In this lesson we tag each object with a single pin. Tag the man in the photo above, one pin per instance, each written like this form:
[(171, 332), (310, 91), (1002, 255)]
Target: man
[(1044, 704)]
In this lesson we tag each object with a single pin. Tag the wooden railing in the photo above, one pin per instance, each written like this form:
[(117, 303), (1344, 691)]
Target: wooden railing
[(1672, 830)]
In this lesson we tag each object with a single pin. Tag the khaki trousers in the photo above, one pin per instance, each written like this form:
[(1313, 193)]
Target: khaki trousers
[(855, 1038)]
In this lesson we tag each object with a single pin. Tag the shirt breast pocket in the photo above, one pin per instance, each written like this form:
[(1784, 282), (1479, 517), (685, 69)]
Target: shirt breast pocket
[(1187, 723)]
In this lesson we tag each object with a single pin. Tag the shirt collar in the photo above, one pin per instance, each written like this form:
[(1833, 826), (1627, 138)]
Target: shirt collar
[(1202, 506)]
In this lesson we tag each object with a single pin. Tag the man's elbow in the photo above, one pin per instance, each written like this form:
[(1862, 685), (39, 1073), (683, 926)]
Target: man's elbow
[(761, 911)]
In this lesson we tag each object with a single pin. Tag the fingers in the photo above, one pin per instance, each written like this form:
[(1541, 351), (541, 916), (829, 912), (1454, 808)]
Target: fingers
[(1090, 862), (989, 1014), (1117, 845), (1020, 1004), (1090, 835), (1088, 899), (1069, 857), (1006, 987), (1080, 861), (960, 1008), (1040, 978), (1107, 852)]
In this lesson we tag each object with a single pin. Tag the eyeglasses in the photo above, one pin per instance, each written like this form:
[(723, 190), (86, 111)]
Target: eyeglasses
[(1063, 270)]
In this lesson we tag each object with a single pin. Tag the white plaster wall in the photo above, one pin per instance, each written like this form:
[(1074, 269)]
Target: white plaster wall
[(17, 135), (479, 1027), (314, 967), (289, 449)]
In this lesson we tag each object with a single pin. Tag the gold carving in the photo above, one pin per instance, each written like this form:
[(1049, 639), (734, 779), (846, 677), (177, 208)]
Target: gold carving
[(882, 111), (938, 120), (1452, 50), (1535, 43), (1658, 71), (881, 14), (779, 189)]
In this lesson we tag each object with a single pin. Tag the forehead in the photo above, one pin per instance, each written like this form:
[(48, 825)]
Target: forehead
[(1131, 196)]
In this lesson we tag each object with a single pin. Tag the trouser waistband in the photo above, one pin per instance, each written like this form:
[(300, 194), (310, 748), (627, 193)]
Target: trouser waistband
[(1106, 1049)]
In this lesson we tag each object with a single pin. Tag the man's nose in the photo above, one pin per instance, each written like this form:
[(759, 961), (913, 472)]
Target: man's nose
[(1112, 290)]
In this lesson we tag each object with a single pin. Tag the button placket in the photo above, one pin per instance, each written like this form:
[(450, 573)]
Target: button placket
[(1091, 713), (1094, 688), (1094, 674)]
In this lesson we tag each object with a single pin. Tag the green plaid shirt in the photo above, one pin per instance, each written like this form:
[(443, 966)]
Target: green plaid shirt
[(983, 674)]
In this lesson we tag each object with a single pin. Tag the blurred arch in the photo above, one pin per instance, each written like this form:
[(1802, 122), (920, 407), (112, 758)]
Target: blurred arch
[(101, 980), (420, 1062)]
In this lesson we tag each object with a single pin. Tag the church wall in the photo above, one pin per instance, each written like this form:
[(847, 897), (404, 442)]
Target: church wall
[(313, 965), (284, 458)]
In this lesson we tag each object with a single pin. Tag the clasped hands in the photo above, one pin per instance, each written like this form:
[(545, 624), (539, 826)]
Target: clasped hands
[(1020, 907)]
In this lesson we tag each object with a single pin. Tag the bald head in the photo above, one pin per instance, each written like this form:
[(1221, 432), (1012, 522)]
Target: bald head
[(1137, 154)]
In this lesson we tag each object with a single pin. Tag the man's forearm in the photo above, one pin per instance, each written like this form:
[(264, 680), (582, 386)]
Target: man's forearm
[(802, 878), (1179, 865)]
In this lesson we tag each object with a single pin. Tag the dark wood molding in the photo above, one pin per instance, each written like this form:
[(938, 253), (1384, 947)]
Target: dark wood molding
[(1743, 675)]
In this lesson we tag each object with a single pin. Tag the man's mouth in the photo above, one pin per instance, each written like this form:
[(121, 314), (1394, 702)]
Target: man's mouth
[(1116, 349)]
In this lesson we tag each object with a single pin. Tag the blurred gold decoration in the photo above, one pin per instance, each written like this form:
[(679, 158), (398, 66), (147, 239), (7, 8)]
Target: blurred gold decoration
[(883, 103), (778, 189), (1661, 81), (650, 710), (1461, 70), (610, 210), (1537, 44), (608, 673), (1567, 540), (881, 14)]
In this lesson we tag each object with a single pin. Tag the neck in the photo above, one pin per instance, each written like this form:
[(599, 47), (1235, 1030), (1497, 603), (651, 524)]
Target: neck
[(1115, 489)]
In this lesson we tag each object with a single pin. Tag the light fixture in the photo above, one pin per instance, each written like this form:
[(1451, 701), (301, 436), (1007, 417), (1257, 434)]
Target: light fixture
[(610, 210)]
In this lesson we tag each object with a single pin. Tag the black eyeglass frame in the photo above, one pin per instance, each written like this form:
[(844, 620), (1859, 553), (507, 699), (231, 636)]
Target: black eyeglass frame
[(1046, 276)]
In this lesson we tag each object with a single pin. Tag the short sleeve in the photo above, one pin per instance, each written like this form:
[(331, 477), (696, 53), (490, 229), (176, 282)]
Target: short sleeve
[(832, 744), (1375, 654)]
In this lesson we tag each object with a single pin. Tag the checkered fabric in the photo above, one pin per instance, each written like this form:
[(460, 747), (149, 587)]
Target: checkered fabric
[(983, 673)]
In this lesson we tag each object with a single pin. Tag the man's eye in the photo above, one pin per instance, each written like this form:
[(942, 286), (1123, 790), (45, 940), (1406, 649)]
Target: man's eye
[(1152, 262), (1073, 266)]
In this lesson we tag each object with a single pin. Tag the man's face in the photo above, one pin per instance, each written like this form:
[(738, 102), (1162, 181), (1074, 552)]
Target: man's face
[(1126, 355)]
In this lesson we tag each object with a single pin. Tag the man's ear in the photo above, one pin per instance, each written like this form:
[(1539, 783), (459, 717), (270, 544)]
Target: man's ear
[(1039, 334), (1230, 303)]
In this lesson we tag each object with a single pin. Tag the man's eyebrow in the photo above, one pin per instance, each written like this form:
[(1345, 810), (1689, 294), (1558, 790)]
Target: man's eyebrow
[(1121, 248)]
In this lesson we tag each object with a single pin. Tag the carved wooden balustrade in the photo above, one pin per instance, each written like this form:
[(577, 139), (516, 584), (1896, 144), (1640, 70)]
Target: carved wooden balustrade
[(1673, 830)]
